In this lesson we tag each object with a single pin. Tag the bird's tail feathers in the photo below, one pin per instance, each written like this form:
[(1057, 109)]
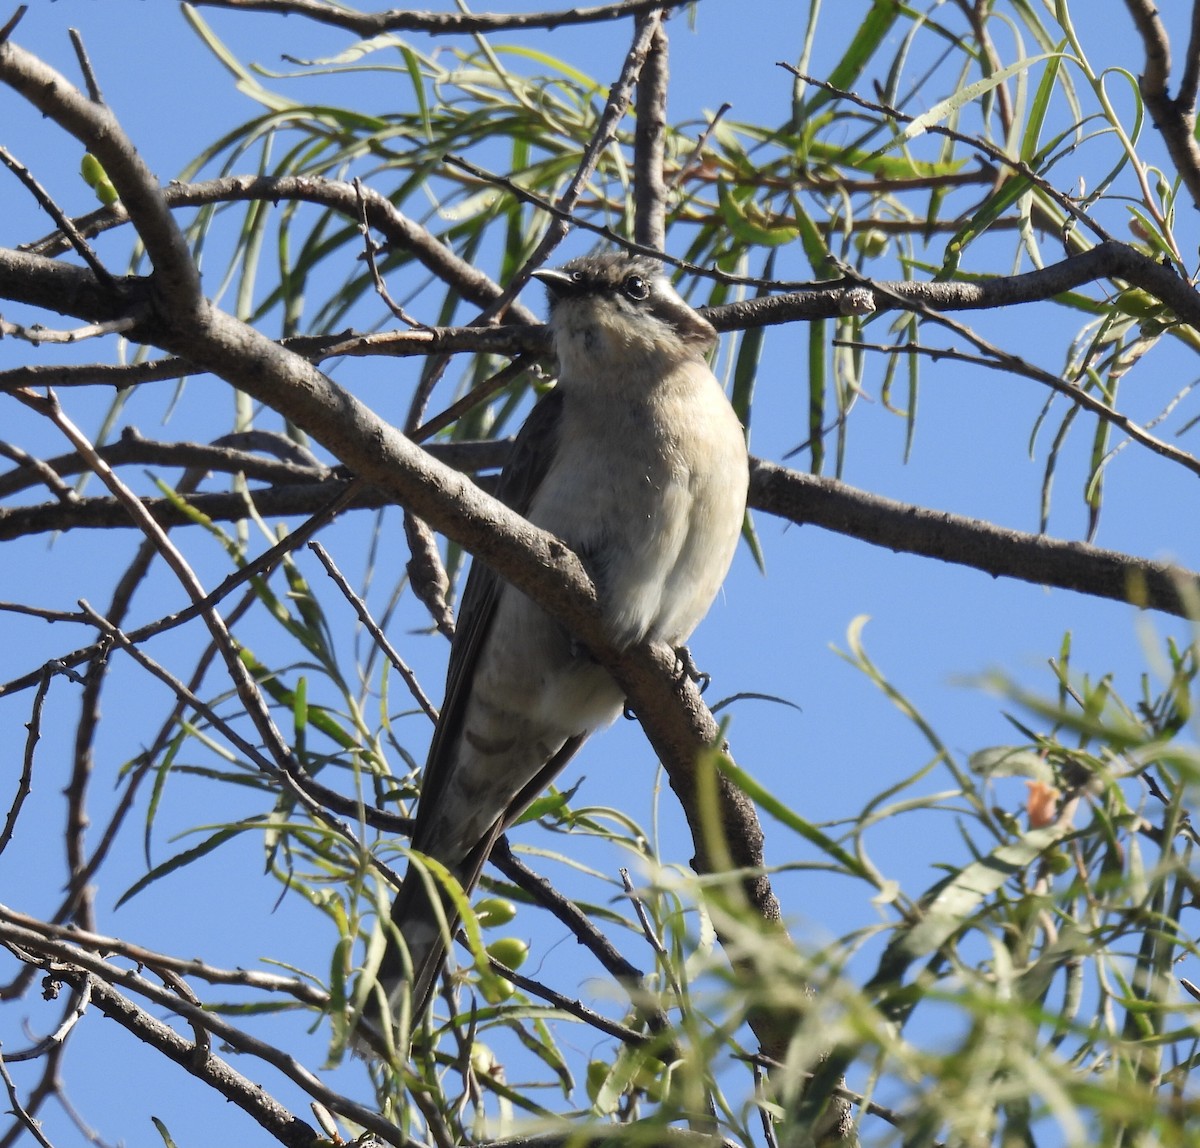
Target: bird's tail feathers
[(429, 906)]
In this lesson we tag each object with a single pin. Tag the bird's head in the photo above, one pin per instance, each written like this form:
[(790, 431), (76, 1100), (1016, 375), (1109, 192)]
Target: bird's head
[(614, 309)]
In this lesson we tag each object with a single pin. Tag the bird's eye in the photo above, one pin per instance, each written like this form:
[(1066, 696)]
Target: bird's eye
[(636, 288), (577, 276)]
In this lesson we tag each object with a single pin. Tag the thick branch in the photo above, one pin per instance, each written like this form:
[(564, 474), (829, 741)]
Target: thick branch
[(908, 529), (800, 498), (650, 187), (1174, 118), (133, 449), (437, 23), (71, 290), (1104, 261)]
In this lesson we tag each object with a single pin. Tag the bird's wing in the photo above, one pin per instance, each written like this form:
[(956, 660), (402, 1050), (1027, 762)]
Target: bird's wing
[(531, 456)]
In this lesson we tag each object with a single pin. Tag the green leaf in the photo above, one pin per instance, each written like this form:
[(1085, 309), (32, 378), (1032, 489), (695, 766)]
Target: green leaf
[(246, 83), (747, 222), (180, 860), (953, 902), (947, 107), (782, 813), (1010, 761), (871, 33)]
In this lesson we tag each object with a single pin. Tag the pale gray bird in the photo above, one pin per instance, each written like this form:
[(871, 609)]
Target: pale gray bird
[(637, 462)]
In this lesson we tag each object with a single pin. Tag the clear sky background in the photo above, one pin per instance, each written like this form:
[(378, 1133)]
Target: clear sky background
[(933, 626)]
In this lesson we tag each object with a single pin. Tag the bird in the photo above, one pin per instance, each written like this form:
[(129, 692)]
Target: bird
[(636, 460)]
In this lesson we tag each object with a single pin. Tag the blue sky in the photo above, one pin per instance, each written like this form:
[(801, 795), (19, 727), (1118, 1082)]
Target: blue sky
[(932, 625)]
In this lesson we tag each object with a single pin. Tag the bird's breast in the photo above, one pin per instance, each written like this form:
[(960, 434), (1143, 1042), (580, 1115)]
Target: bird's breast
[(649, 487)]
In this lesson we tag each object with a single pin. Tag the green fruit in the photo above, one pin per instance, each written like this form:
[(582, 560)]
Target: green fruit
[(509, 951), (597, 1074), (871, 242), (495, 911), (106, 193), (495, 989), (91, 169), (649, 1079), (482, 1060)]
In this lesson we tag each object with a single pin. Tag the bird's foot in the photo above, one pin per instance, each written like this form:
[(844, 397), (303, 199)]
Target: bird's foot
[(686, 668)]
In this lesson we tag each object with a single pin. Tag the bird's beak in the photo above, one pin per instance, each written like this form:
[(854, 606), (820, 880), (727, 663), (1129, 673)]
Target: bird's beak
[(558, 282)]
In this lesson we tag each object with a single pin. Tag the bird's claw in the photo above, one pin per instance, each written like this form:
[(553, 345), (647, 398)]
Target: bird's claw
[(686, 668)]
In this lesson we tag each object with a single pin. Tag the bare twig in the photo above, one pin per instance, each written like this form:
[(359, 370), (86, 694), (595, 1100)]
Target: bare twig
[(18, 1110), (1174, 118), (582, 928), (427, 575), (60, 217), (369, 250), (649, 146), (37, 334), (380, 638), (1191, 67), (381, 215), (11, 23), (471, 399), (246, 688), (73, 965), (34, 726), (575, 1008), (615, 107), (999, 359), (85, 66), (176, 279), (39, 470)]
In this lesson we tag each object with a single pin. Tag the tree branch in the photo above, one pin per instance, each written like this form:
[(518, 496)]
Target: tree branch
[(1174, 118), (438, 23), (338, 195), (650, 130), (175, 274), (71, 962), (776, 490), (908, 529)]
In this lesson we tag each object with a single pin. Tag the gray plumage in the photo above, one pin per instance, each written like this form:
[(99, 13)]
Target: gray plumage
[(638, 463)]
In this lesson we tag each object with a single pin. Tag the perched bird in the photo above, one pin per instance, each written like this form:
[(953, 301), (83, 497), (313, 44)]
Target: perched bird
[(636, 460)]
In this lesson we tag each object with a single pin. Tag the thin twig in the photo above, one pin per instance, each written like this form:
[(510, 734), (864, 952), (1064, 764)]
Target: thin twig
[(997, 155), (18, 1110), (61, 220), (11, 23), (42, 471), (369, 250), (1175, 119), (37, 334), (85, 66), (372, 627), (427, 574), (576, 1008), (998, 359), (24, 782), (471, 399), (300, 988), (615, 107), (245, 685)]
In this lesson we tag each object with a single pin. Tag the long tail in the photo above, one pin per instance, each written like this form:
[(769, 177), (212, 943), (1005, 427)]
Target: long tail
[(419, 938), (412, 962)]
